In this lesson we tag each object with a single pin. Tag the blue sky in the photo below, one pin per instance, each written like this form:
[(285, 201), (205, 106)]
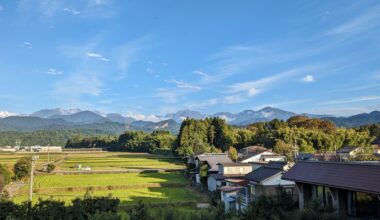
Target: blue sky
[(155, 57)]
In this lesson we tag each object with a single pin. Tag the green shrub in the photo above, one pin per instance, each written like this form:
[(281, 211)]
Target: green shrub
[(50, 167), (22, 168)]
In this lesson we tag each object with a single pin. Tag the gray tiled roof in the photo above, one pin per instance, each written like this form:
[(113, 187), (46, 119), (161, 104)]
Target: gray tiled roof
[(277, 164), (262, 173), (364, 177), (214, 159), (376, 141), (347, 149)]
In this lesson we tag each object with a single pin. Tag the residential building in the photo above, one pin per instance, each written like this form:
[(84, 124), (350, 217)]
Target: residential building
[(211, 161), (227, 171), (258, 153), (347, 152), (351, 189), (262, 181), (305, 156), (376, 146)]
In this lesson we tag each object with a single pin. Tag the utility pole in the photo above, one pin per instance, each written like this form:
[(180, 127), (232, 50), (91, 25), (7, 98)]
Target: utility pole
[(34, 161), (48, 153)]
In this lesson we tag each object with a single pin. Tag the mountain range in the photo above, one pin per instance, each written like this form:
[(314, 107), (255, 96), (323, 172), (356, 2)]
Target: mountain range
[(55, 119)]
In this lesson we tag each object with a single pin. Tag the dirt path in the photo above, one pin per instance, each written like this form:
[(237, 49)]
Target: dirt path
[(13, 188)]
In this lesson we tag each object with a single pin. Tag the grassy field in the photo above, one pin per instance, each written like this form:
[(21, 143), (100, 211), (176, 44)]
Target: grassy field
[(151, 187)]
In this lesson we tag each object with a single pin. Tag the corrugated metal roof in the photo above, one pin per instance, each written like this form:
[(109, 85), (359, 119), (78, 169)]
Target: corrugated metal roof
[(364, 177)]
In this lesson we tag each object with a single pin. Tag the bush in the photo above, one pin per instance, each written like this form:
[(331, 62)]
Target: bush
[(5, 176), (22, 168), (50, 167)]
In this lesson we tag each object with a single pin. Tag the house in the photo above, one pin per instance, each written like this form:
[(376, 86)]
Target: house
[(304, 156), (211, 161), (258, 153), (376, 146), (348, 152), (351, 189), (262, 181), (376, 142), (227, 171)]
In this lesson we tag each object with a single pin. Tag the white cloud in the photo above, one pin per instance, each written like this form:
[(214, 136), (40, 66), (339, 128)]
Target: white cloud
[(142, 117), (150, 70), (308, 78), (98, 2), (127, 54), (252, 88), (184, 85), (54, 72), (351, 100), (168, 95), (74, 91), (4, 114), (71, 11), (97, 56), (233, 99), (361, 23), (27, 44), (202, 104), (1, 8)]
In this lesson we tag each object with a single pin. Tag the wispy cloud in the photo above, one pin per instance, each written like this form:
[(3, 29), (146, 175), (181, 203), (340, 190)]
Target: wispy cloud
[(27, 45), (252, 88), (184, 85), (1, 8), (73, 91), (54, 72), (71, 11), (202, 104), (233, 99), (205, 78), (97, 56), (352, 100), (169, 95), (308, 79), (363, 22), (126, 54)]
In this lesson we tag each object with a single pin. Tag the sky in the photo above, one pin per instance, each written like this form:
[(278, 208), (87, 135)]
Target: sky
[(157, 57)]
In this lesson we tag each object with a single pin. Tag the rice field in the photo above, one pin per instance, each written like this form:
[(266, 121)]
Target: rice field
[(130, 187)]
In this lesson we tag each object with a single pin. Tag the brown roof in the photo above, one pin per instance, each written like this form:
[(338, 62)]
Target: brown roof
[(363, 177)]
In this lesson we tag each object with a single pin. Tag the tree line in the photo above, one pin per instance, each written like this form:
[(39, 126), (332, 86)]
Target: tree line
[(215, 135)]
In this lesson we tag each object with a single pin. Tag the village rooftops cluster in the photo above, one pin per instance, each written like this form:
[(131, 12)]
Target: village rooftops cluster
[(341, 186)]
